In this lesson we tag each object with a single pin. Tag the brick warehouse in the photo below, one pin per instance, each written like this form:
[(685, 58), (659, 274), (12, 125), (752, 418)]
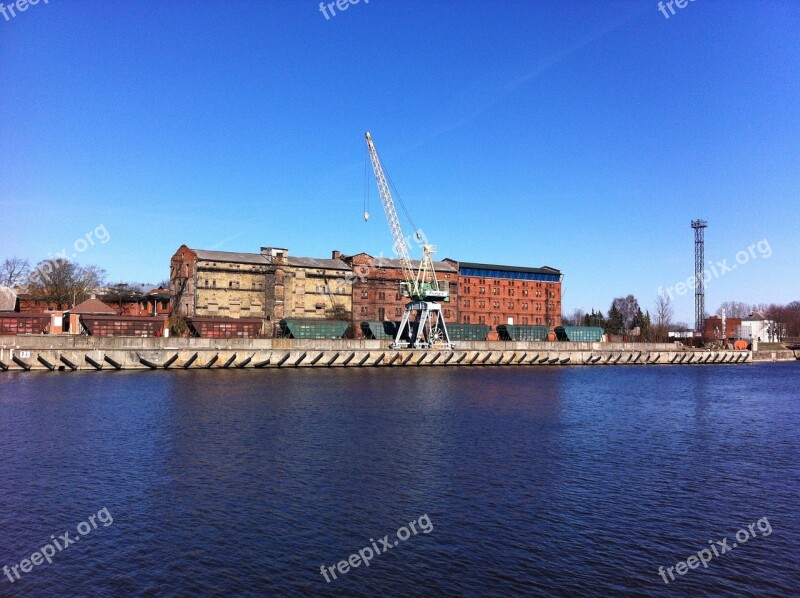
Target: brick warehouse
[(272, 285), (493, 294)]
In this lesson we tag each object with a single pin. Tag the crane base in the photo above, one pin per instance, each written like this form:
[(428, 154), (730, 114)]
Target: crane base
[(425, 326)]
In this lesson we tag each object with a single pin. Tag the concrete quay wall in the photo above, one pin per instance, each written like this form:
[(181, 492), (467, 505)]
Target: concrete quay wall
[(86, 353)]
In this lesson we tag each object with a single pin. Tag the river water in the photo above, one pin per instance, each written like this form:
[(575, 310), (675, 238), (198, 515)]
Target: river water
[(518, 481)]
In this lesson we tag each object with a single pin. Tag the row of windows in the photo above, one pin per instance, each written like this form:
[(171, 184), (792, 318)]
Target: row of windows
[(234, 284), (496, 305), (511, 292)]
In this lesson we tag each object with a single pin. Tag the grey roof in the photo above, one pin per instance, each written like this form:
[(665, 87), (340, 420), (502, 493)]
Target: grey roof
[(261, 259), (312, 262), (231, 256), (8, 299)]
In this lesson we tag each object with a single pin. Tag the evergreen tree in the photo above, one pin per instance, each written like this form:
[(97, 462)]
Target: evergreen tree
[(616, 322)]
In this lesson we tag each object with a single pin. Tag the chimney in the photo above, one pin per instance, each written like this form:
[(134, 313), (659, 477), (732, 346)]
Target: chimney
[(336, 254)]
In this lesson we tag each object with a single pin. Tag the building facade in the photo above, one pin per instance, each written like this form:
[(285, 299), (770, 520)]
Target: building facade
[(493, 294), (270, 285)]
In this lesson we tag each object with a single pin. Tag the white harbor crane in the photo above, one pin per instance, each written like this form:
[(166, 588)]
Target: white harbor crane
[(423, 318)]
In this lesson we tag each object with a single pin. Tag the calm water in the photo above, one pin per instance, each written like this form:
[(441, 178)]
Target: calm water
[(562, 482)]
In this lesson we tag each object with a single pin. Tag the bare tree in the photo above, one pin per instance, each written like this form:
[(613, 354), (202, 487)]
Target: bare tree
[(13, 272), (628, 308), (792, 319), (734, 309), (61, 283), (663, 315), (575, 318), (122, 293)]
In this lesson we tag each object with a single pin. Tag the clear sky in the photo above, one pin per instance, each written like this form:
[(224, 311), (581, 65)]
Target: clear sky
[(581, 135)]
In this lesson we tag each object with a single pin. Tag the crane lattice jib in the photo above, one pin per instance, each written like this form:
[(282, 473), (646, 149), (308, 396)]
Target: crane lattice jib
[(400, 246)]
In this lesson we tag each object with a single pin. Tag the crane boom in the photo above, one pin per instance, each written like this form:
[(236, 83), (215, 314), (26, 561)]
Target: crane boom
[(400, 246), (422, 325)]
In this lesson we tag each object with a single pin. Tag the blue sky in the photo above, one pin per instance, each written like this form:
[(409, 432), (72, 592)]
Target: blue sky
[(581, 135)]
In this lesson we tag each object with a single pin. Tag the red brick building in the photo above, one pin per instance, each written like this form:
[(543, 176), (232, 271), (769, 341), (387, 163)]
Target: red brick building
[(493, 294), (376, 287), (713, 328)]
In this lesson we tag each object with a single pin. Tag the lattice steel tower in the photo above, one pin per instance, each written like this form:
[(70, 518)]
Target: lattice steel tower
[(699, 265)]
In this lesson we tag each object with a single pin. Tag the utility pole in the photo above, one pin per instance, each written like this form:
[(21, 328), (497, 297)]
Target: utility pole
[(699, 227)]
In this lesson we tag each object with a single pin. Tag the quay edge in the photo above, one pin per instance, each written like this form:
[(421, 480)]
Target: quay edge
[(86, 353)]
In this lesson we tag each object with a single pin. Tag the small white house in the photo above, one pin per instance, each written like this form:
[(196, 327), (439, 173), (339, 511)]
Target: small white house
[(757, 326)]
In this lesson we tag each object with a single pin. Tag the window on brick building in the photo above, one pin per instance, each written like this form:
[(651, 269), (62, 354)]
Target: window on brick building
[(397, 296), (482, 290), (482, 304), (496, 320), (382, 295), (447, 313), (398, 311), (510, 305), (381, 314), (481, 319), (525, 293), (363, 309), (495, 291), (483, 281), (364, 294)]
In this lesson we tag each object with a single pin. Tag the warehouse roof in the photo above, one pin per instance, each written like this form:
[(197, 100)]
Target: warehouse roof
[(476, 266), (311, 262), (263, 259), (387, 262)]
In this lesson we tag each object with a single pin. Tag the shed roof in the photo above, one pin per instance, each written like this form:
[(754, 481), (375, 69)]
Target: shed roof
[(92, 306)]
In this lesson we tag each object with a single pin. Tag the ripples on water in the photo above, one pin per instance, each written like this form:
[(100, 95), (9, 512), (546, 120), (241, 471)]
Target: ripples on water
[(562, 482)]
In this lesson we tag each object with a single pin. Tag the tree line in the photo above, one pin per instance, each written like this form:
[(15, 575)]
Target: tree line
[(60, 283), (625, 317)]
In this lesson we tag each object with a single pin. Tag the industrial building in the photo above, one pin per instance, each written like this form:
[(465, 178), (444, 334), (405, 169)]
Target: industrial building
[(274, 286)]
